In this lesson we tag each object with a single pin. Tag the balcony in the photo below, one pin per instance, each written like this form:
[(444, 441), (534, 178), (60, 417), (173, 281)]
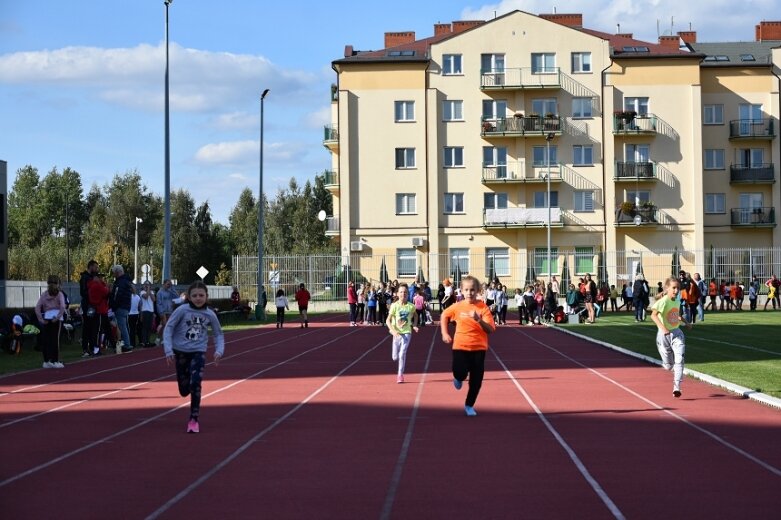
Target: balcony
[(629, 123), (756, 174), (332, 226), (752, 129), (521, 218), (627, 213), (521, 78), (753, 217), (517, 172), (635, 172), (521, 126), (330, 137), (331, 180)]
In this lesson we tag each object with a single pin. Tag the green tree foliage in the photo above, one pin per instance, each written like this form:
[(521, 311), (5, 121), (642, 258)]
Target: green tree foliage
[(244, 224), (28, 224)]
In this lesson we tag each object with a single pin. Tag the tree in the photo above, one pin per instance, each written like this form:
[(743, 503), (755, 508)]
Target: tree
[(243, 221), (184, 237), (27, 221)]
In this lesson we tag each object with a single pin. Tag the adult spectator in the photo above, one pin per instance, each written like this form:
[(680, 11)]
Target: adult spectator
[(555, 287), (134, 318), (703, 288), (775, 283), (87, 316), (165, 306), (50, 310), (121, 296), (98, 293), (147, 314), (352, 301), (639, 292)]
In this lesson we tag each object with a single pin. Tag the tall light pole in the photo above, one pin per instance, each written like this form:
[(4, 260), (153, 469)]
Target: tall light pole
[(259, 311), (67, 239), (135, 253), (548, 139), (167, 188)]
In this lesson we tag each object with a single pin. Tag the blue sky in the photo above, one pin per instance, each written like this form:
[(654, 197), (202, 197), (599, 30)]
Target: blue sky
[(81, 83)]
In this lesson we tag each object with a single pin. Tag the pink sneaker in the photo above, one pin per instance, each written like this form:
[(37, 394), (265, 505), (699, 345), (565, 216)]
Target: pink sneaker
[(400, 379), (192, 426)]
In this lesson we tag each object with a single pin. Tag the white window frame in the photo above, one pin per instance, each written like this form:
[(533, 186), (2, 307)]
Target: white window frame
[(584, 260), (583, 201), (583, 155), (453, 110), (582, 107), (452, 65), (750, 157), (715, 203), (713, 114), (406, 257), (404, 111), (713, 159), (501, 257), (405, 158), (454, 157), (460, 256), (451, 202), (637, 104), (751, 200), (543, 62), (545, 106), (639, 195), (495, 200), (541, 261), (542, 150), (406, 204), (581, 63), (540, 198), (494, 109), (492, 63)]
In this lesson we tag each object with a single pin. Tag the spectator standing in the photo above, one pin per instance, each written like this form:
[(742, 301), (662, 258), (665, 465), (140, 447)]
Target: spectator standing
[(165, 306), (753, 293), (302, 297), (352, 301), (134, 318), (555, 286), (87, 317), (98, 293), (638, 297), (703, 296), (147, 314), (774, 283), (50, 310), (120, 299)]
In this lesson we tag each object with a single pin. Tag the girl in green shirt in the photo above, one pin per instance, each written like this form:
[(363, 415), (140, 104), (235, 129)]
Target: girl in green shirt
[(666, 313), (402, 320)]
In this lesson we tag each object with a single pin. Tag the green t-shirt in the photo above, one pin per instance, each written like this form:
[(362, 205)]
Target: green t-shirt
[(670, 311), (401, 317)]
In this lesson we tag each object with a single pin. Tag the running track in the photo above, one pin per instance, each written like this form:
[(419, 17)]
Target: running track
[(309, 423)]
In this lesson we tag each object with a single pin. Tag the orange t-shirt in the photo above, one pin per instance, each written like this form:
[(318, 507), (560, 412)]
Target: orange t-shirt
[(469, 334)]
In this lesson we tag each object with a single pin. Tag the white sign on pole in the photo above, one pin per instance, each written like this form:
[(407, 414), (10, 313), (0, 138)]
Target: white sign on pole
[(146, 273), (202, 272)]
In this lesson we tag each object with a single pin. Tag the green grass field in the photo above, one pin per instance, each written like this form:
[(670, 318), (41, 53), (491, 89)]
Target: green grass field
[(740, 347)]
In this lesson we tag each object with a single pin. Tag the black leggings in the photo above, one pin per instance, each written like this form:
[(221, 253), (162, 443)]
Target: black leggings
[(50, 334), (189, 375), (471, 363)]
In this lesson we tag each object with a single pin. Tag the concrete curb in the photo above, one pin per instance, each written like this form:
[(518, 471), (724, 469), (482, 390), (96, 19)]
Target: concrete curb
[(744, 392)]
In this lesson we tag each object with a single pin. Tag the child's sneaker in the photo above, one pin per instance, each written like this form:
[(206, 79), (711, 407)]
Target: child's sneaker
[(85, 354), (400, 379), (457, 383), (192, 426), (667, 366), (46, 364), (676, 391), (470, 411), (57, 364)]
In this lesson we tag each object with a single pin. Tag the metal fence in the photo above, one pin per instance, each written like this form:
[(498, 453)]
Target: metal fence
[(326, 277)]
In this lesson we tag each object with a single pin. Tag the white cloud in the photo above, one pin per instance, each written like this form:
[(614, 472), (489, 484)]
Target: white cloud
[(317, 119), (227, 153), (236, 121)]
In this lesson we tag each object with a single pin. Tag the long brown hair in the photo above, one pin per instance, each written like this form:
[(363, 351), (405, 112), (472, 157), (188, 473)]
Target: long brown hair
[(54, 284)]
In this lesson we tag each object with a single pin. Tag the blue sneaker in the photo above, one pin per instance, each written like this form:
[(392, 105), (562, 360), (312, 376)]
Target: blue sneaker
[(470, 411), (457, 383)]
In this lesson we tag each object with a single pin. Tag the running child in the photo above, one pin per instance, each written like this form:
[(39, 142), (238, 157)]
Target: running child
[(302, 298), (281, 302), (402, 320), (185, 341), (666, 313), (470, 342)]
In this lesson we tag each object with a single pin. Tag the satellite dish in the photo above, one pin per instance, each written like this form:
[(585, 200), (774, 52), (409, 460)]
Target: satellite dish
[(321, 215), (638, 220)]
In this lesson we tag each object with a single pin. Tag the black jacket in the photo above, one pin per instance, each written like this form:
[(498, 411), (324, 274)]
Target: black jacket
[(121, 293), (86, 276)]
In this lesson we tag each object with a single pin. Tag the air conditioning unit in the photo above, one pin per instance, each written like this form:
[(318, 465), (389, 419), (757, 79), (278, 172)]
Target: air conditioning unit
[(356, 246), (418, 241)]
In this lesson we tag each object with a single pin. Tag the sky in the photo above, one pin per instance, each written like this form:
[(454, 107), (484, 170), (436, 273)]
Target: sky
[(82, 83)]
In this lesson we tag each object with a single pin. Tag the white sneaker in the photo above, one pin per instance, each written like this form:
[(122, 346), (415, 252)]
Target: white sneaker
[(118, 348), (46, 364), (57, 364)]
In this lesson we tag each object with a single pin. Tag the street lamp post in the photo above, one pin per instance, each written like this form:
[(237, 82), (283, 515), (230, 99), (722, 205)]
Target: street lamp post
[(548, 139), (135, 253), (167, 187), (67, 240), (259, 310)]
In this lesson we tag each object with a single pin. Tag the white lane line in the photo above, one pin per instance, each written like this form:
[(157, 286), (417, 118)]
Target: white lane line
[(772, 469), (601, 493), (244, 447), (107, 438), (390, 497)]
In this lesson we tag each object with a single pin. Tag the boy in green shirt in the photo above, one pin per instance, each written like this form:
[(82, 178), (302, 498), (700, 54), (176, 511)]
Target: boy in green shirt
[(402, 320), (666, 313)]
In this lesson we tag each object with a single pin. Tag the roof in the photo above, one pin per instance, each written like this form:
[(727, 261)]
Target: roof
[(736, 54), (417, 51), (625, 47)]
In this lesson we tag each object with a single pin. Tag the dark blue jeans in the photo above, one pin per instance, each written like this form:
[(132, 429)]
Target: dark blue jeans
[(189, 375)]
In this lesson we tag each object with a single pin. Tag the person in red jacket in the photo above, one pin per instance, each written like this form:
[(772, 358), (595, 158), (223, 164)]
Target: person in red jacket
[(302, 298), (352, 301), (98, 291)]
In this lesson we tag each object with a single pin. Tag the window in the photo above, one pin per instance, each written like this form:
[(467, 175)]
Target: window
[(454, 203), (451, 64), (714, 159), (637, 153), (583, 155), (641, 48), (405, 158), (581, 62), (405, 204), (543, 62), (541, 196), (459, 257), (715, 203), (454, 157), (541, 261), (583, 200), (500, 257), (638, 104), (713, 114), (495, 200), (494, 109), (404, 111), (750, 200), (407, 262), (401, 53), (453, 110), (581, 107), (496, 157), (584, 260), (491, 63), (544, 106), (638, 196), (747, 57), (750, 157), (539, 156)]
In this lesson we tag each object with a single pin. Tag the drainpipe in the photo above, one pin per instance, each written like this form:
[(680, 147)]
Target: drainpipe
[(603, 75)]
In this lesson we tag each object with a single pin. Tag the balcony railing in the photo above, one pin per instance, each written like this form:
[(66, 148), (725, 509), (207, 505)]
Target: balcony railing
[(330, 135), (635, 171), (521, 78), (332, 226), (758, 173), (521, 126), (516, 171), (331, 178), (752, 129), (627, 212), (630, 123), (754, 217), (521, 217)]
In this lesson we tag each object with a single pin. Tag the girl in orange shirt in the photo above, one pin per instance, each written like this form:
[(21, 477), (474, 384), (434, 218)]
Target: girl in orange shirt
[(474, 322)]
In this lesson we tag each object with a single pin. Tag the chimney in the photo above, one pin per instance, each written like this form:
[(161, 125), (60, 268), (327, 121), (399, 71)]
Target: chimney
[(348, 51), (442, 28), (768, 31), (688, 36), (570, 20), (463, 25), (394, 39), (669, 42), (625, 35)]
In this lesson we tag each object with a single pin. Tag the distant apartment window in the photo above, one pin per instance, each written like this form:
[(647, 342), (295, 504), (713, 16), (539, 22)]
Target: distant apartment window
[(581, 107), (541, 196), (713, 114), (581, 62), (405, 158), (500, 258), (715, 203), (453, 110), (539, 156), (404, 111), (494, 108), (405, 204), (459, 257), (583, 200), (454, 203), (714, 159), (451, 64), (637, 104), (584, 260), (454, 157), (407, 262), (544, 106), (543, 63), (541, 260), (494, 156), (495, 200), (641, 196), (747, 57), (583, 155), (491, 63)]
